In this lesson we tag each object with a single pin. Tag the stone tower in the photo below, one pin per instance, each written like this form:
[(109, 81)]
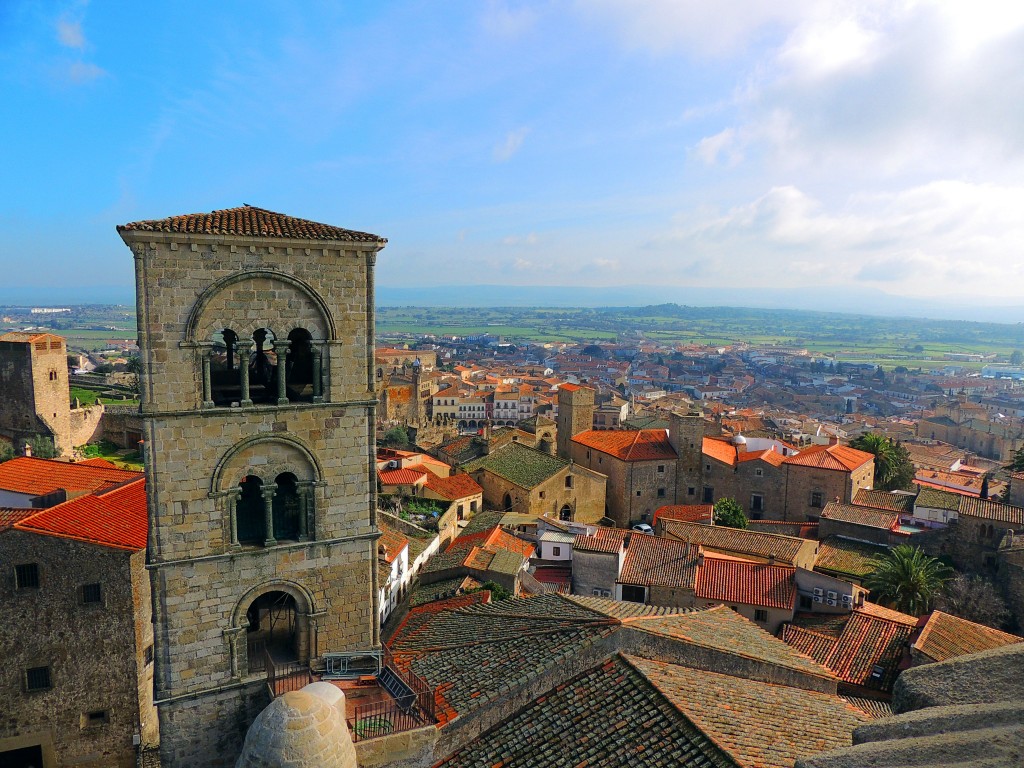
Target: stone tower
[(256, 335), (575, 415), (34, 380), (686, 434)]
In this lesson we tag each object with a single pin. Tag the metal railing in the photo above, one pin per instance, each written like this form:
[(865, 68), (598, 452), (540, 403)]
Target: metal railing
[(283, 677), (371, 721)]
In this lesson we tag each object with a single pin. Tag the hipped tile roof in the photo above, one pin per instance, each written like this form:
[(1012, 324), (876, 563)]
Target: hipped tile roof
[(785, 549), (115, 518), (454, 487), (944, 636), (629, 445), (653, 561), (866, 516), (836, 457), (893, 502), (740, 581), (847, 557), (30, 475), (250, 221)]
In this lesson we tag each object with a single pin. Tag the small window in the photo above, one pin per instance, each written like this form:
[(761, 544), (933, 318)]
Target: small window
[(756, 502), (707, 467), (691, 491), (634, 594), (27, 576), (760, 615), (556, 551), (37, 679), (541, 494), (638, 493), (92, 593), (661, 468), (759, 472), (661, 493), (95, 718), (148, 655), (806, 603), (816, 497), (568, 481)]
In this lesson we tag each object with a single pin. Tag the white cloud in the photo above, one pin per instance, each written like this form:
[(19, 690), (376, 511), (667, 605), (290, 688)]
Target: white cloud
[(79, 72), (528, 240), (510, 145), (69, 33), (502, 20)]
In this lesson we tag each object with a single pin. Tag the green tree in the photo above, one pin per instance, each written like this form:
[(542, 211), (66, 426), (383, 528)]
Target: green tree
[(907, 579), (395, 436), (1017, 462), (1017, 357), (497, 591), (729, 513), (893, 468), (134, 368), (6, 451)]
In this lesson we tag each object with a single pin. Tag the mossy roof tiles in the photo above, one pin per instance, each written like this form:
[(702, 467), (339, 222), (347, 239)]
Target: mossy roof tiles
[(846, 556), (935, 498), (894, 502), (757, 724), (785, 549), (653, 561), (866, 516), (606, 716), (526, 467)]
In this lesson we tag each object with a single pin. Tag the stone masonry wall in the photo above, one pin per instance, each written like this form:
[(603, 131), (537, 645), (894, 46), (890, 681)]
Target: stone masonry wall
[(96, 664)]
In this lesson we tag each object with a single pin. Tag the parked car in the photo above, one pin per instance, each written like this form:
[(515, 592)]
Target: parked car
[(643, 528)]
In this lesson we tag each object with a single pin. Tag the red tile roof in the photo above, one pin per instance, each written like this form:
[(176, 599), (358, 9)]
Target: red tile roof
[(720, 450), (866, 516), (601, 540), (249, 221), (652, 561), (837, 457), (115, 517), (740, 581), (944, 636), (8, 516), (629, 445), (769, 456), (403, 476), (688, 513), (454, 487), (29, 475), (392, 540)]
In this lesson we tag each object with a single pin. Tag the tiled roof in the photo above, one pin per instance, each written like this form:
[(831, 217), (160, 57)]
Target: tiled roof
[(629, 445), (881, 612), (799, 530), (757, 724), (991, 510), (722, 629), (837, 457), (438, 590), (113, 518), (618, 609), (477, 550), (249, 221), (654, 561), (866, 653), (455, 487), (894, 502), (606, 716), (935, 498), (741, 581), (29, 475), (719, 449), (774, 458), (526, 467), (601, 540), (689, 513), (8, 516), (392, 540), (945, 636), (871, 707), (847, 557), (785, 549), (403, 476), (866, 516)]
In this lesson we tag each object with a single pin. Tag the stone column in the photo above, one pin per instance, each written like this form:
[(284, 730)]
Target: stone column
[(268, 492), (318, 385), (305, 492), (281, 350), (231, 499), (243, 370), (205, 353)]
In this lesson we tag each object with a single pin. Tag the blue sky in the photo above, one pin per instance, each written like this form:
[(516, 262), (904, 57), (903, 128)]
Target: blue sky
[(818, 147)]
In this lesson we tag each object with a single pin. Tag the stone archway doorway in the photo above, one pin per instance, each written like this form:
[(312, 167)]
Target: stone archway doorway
[(273, 630)]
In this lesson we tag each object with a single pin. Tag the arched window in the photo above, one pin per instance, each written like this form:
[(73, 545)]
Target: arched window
[(299, 368), (225, 377), (250, 512), (263, 367), (272, 630), (565, 513), (287, 507), (508, 502)]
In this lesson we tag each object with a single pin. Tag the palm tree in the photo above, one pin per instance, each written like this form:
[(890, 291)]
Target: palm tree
[(893, 467), (907, 579)]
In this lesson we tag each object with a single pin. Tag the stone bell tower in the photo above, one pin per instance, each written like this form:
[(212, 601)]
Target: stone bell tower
[(256, 334)]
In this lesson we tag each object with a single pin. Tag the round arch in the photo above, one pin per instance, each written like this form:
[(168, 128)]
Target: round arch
[(301, 604), (193, 326), (298, 459)]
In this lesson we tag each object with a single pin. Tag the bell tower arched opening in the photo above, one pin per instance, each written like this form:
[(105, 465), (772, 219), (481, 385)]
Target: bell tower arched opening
[(249, 512)]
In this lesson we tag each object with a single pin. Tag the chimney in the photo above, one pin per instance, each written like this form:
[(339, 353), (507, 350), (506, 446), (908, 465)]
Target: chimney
[(28, 449)]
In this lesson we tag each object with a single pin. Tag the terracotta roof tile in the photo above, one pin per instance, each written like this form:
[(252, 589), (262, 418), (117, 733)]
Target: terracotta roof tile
[(9, 516), (29, 475), (392, 540), (403, 476), (454, 487), (629, 445), (894, 502), (113, 518), (741, 581), (687, 513), (836, 457), (600, 540), (249, 221), (757, 724), (719, 449), (866, 516), (654, 561), (785, 549), (991, 510), (945, 636)]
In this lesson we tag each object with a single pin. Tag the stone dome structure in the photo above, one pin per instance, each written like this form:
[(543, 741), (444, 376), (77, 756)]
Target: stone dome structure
[(739, 439), (301, 729)]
